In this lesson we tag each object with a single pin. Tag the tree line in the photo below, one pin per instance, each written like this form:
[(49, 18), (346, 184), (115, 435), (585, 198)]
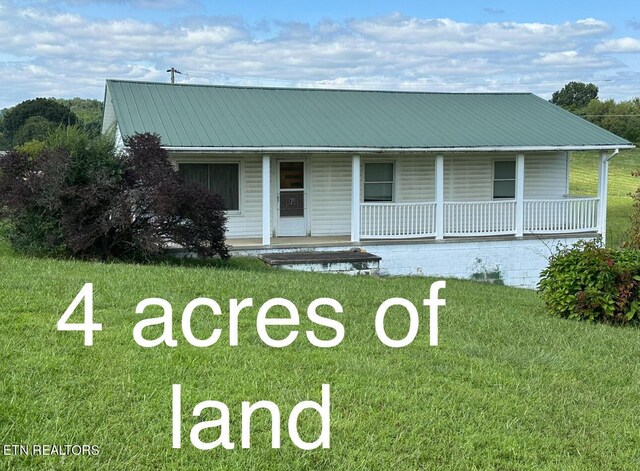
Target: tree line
[(33, 120), (621, 118)]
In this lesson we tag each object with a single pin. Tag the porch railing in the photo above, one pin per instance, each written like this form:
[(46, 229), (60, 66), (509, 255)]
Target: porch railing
[(566, 215), (397, 220), (478, 218)]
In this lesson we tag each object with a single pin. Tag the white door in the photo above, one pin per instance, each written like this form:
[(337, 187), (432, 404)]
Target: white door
[(291, 199)]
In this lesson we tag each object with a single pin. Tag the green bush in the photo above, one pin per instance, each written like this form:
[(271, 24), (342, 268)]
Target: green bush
[(589, 282)]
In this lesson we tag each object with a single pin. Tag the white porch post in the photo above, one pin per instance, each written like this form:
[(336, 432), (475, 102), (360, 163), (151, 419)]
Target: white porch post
[(519, 195), (355, 198), (439, 196), (602, 195), (266, 200)]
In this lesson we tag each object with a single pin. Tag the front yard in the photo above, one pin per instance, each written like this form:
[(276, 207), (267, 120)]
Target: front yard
[(507, 388)]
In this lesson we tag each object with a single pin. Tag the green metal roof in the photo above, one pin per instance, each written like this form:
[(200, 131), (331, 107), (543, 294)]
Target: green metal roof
[(221, 117)]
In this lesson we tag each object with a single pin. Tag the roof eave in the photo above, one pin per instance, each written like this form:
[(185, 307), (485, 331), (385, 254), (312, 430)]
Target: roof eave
[(394, 150)]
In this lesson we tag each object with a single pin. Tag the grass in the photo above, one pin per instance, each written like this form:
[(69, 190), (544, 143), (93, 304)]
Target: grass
[(508, 388), (583, 180)]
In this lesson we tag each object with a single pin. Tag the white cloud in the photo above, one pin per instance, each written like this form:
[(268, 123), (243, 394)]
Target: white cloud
[(594, 23), (50, 52), (572, 59), (619, 45), (464, 37), (556, 58)]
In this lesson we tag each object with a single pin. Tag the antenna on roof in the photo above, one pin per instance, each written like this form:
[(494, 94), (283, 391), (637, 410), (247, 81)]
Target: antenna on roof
[(173, 71)]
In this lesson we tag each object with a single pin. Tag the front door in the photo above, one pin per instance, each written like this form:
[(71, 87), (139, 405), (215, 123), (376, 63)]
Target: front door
[(291, 199)]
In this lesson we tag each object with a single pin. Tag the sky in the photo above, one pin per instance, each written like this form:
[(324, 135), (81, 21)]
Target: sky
[(68, 49)]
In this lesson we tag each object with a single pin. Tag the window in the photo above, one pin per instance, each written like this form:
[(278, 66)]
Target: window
[(504, 179), (378, 181), (222, 178)]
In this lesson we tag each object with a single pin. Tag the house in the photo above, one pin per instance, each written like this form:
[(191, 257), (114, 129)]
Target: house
[(465, 185)]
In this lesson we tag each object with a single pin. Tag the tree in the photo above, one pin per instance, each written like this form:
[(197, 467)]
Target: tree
[(575, 95), (35, 128), (89, 112), (77, 196), (48, 108), (622, 118), (4, 144)]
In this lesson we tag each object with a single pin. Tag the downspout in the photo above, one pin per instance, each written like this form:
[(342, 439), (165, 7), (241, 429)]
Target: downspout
[(613, 154), (602, 192)]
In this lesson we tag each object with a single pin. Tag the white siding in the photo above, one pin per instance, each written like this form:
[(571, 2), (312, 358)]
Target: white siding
[(109, 116), (249, 222), (545, 176), (415, 179), (330, 195), (468, 178)]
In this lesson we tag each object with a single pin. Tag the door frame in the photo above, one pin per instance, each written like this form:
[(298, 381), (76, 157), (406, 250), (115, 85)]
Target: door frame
[(276, 195)]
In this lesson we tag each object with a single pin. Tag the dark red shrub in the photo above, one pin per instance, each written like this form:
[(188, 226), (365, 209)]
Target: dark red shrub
[(82, 198)]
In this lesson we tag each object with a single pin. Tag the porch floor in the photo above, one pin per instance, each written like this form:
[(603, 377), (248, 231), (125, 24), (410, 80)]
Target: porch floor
[(345, 241), (311, 241)]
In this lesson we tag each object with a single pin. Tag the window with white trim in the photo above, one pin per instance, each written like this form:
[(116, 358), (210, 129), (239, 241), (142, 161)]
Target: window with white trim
[(222, 178), (378, 181), (504, 179)]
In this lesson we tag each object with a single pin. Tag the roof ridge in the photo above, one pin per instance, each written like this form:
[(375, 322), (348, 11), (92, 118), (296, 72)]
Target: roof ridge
[(310, 89)]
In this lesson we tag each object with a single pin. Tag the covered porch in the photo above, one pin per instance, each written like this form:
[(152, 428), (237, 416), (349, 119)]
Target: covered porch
[(440, 218), (477, 219)]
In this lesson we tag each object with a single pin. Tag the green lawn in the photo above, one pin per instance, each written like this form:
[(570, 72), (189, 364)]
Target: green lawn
[(583, 180), (508, 387)]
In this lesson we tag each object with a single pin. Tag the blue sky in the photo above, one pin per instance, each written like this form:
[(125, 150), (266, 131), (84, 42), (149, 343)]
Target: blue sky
[(67, 49)]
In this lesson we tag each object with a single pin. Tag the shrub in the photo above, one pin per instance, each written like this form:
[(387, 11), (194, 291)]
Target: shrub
[(75, 195), (633, 236), (587, 281)]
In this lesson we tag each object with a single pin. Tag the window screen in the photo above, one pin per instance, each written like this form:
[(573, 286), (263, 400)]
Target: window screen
[(223, 179)]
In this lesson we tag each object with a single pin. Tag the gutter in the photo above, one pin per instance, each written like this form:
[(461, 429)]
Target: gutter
[(395, 150)]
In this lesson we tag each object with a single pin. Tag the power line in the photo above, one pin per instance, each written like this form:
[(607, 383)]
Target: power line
[(173, 71)]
